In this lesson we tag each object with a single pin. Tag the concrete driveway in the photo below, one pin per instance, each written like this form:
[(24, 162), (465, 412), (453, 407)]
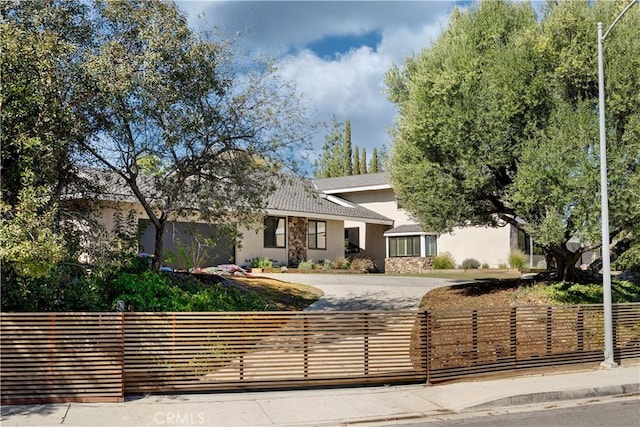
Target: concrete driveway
[(353, 292)]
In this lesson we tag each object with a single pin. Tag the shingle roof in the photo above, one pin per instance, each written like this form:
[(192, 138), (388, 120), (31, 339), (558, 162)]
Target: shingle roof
[(298, 195), (405, 229), (352, 181), (293, 194)]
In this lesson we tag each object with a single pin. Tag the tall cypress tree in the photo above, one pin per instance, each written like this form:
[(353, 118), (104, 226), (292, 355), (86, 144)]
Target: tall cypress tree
[(363, 162), (373, 166), (356, 161), (348, 168)]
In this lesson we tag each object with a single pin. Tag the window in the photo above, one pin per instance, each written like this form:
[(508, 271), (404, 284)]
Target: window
[(317, 234), (352, 240), (404, 246), (431, 248), (274, 232), (524, 244)]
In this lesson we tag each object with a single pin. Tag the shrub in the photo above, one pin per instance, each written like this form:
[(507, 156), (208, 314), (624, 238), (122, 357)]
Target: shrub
[(485, 266), (502, 266), (443, 262), (362, 264), (261, 262), (470, 263), (340, 263), (66, 287), (327, 264), (629, 260), (306, 265), (517, 259), (152, 291)]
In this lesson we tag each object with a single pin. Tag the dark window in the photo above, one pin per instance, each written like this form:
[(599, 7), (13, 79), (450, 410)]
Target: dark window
[(317, 234), (404, 246), (352, 240), (524, 244), (432, 246), (274, 232)]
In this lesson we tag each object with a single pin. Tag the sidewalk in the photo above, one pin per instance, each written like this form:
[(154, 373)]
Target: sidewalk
[(329, 406)]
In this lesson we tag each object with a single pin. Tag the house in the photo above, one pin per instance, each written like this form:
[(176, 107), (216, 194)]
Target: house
[(300, 223), (406, 247), (353, 216)]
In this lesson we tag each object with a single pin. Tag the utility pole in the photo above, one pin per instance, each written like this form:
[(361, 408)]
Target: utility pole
[(604, 200)]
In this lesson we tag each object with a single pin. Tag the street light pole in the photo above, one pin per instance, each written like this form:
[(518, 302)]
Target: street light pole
[(604, 200)]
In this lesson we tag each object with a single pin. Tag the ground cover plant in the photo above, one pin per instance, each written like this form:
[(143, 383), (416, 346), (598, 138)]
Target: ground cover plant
[(505, 292), (132, 287)]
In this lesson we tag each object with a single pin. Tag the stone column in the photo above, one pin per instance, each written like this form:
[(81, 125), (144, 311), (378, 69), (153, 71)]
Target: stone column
[(297, 231)]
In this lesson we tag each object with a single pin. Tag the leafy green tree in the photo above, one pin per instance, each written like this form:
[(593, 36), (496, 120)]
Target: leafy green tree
[(356, 160), (178, 127), (43, 122), (363, 162), (331, 164), (348, 166), (498, 121)]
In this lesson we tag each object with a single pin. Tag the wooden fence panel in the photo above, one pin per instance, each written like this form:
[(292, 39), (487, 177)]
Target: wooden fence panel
[(61, 357), (473, 342), (215, 351)]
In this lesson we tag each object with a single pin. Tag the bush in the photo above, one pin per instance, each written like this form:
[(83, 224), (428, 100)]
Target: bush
[(327, 264), (66, 287), (340, 263), (261, 262), (517, 259), (502, 266), (629, 260), (485, 266), (152, 291), (470, 263), (306, 265), (443, 262), (362, 264)]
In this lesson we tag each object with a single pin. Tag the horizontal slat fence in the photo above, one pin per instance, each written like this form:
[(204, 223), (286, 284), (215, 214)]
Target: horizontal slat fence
[(475, 342), (90, 357), (218, 351), (61, 357)]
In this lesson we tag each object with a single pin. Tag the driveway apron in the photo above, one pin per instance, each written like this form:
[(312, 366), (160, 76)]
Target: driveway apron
[(355, 292)]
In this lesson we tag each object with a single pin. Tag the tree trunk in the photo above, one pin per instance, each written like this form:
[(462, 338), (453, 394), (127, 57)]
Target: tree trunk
[(566, 263), (158, 251)]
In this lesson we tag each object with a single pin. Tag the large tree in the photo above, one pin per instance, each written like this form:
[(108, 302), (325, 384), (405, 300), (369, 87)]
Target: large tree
[(348, 165), (363, 162), (331, 162), (42, 125), (498, 124), (178, 126)]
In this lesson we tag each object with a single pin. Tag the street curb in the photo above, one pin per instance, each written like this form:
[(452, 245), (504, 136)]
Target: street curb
[(552, 396)]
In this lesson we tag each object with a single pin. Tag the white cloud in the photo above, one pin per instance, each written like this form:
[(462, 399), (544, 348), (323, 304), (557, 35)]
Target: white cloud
[(348, 85)]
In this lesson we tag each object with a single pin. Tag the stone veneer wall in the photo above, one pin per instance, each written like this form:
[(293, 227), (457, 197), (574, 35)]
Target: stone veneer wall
[(408, 264), (297, 231)]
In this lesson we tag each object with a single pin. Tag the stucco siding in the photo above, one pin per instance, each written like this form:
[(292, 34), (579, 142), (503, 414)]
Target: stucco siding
[(253, 246), (486, 244), (335, 243), (380, 201)]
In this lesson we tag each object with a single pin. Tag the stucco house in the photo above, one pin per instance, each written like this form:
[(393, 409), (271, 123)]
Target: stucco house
[(300, 223), (353, 216), (406, 247)]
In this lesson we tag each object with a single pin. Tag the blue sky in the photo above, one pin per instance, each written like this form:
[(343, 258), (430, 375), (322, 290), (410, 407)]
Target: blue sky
[(336, 52)]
